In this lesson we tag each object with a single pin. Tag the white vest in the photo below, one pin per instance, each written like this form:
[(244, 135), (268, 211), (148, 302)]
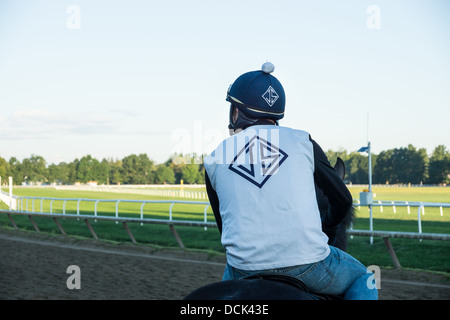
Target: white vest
[(263, 177)]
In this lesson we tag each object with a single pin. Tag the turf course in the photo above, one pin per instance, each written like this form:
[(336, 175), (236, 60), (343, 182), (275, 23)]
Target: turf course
[(426, 254)]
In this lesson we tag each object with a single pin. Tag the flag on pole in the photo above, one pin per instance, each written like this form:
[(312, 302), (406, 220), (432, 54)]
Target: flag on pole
[(363, 149)]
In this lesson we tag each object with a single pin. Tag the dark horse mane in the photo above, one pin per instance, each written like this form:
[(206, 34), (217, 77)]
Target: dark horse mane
[(322, 201)]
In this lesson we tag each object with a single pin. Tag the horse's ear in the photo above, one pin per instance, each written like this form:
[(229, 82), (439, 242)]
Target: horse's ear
[(339, 167)]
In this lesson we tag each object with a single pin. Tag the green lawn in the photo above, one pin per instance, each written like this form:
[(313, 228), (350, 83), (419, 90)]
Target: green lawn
[(426, 254), (125, 209)]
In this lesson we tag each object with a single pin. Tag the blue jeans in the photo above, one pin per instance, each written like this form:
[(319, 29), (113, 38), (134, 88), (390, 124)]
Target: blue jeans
[(338, 274)]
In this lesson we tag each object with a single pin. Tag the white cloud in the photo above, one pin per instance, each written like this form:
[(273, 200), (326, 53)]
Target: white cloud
[(44, 124)]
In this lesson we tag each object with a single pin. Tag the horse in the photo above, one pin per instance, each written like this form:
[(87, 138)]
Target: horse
[(322, 201), (274, 286)]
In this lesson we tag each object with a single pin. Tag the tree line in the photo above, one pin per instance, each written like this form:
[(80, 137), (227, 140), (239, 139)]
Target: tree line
[(397, 166), (393, 166), (132, 169)]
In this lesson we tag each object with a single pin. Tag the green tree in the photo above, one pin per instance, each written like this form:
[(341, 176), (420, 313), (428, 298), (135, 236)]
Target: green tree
[(333, 155), (71, 169), (164, 174), (62, 173), (190, 173), (115, 172), (86, 168), (357, 168), (54, 173), (401, 165), (384, 167), (15, 170), (5, 170), (137, 169), (439, 166), (102, 171), (33, 169)]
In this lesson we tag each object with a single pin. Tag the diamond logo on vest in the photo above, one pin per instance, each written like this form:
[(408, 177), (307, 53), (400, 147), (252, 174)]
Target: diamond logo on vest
[(257, 161)]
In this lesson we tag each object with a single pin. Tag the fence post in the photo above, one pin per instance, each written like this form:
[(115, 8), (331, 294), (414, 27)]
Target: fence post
[(392, 253), (10, 194), (370, 222), (59, 226), (34, 224), (95, 207), (91, 229), (129, 232), (117, 210), (177, 237), (419, 221), (13, 222), (170, 211), (142, 212), (205, 214)]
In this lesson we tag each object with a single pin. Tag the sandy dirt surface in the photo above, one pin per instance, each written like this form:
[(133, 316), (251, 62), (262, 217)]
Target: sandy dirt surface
[(34, 266)]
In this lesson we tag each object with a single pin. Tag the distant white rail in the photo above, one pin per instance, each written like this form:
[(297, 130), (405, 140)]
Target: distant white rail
[(33, 206), (408, 204), (24, 205), (148, 190)]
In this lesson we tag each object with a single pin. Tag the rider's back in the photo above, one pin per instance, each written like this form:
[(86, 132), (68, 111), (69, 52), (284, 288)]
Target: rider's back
[(268, 207)]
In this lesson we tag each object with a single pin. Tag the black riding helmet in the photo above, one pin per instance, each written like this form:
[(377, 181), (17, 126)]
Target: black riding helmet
[(257, 95)]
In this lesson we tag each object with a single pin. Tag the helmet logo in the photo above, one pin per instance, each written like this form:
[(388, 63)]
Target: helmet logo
[(271, 96)]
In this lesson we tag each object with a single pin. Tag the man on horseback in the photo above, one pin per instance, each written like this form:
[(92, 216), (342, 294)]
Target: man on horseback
[(261, 186)]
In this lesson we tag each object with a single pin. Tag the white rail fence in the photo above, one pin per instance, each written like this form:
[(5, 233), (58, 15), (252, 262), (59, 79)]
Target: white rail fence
[(34, 206), (148, 190), (408, 204), (29, 204), (10, 201)]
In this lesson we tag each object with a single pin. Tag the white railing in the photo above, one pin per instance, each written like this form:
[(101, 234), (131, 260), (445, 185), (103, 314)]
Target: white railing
[(148, 190), (9, 200), (33, 206), (24, 205), (28, 204), (408, 204)]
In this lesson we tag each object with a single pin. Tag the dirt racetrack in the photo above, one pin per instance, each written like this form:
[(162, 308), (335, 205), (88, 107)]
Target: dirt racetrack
[(34, 266)]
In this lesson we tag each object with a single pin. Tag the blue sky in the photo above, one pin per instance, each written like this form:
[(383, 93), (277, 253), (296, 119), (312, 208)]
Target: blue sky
[(112, 78)]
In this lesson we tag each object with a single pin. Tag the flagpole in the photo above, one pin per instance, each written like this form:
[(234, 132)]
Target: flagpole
[(366, 198), (370, 190), (370, 168)]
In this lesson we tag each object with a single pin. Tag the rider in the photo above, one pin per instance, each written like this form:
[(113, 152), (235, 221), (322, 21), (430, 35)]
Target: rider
[(261, 186)]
